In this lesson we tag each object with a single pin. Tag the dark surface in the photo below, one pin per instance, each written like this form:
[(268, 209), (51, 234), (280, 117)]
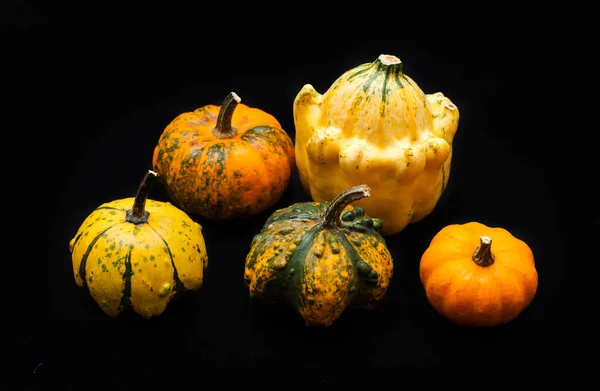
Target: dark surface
[(96, 102)]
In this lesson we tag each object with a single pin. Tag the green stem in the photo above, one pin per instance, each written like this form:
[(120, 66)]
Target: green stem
[(223, 128), (483, 255), (138, 213), (331, 216)]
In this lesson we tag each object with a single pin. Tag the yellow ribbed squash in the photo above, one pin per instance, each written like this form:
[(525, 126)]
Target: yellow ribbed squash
[(374, 125), (138, 254)]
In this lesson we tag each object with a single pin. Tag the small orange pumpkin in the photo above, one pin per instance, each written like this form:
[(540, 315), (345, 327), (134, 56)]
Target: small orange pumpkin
[(223, 162), (478, 276)]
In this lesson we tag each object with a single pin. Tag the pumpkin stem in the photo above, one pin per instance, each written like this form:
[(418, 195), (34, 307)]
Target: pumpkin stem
[(138, 213), (223, 128), (331, 216), (483, 255), (389, 61)]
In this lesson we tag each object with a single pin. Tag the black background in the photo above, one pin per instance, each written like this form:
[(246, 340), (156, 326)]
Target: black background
[(92, 91)]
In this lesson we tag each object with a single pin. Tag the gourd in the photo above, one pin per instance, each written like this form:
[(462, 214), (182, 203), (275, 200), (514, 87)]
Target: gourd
[(224, 162), (138, 254), (374, 125), (478, 276), (320, 264)]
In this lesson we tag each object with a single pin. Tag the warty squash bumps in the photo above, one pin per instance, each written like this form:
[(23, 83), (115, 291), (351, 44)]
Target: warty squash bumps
[(224, 162), (138, 254), (374, 125), (478, 276), (309, 257)]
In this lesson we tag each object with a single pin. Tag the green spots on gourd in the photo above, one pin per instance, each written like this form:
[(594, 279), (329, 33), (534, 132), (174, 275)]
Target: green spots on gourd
[(353, 214), (377, 223), (367, 222), (286, 230), (217, 156), (290, 251), (319, 245), (366, 270), (363, 268), (334, 244), (443, 177), (255, 239), (118, 264), (357, 102), (348, 216)]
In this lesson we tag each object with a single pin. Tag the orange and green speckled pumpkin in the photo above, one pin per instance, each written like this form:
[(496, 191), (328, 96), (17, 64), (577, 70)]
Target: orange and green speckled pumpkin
[(374, 125), (223, 162), (308, 256), (478, 276), (138, 254)]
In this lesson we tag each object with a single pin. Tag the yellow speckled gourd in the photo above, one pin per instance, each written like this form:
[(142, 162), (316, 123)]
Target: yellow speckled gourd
[(321, 264), (138, 254), (374, 125)]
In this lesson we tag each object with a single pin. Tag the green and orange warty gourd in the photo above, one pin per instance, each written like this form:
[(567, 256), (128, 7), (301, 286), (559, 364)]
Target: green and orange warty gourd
[(374, 125), (138, 254), (321, 258), (478, 276), (224, 162)]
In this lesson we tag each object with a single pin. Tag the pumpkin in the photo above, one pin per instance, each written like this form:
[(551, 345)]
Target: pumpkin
[(374, 125), (224, 162), (320, 258), (138, 254), (478, 276)]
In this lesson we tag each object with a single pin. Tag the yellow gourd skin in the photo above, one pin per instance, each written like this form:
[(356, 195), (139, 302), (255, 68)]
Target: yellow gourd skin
[(374, 125), (141, 265)]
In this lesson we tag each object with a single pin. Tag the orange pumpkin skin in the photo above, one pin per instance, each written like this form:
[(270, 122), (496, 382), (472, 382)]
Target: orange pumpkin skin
[(223, 162), (478, 276)]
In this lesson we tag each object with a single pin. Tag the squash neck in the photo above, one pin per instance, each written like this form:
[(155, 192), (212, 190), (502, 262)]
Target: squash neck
[(483, 255), (223, 127), (389, 64), (138, 213), (331, 216)]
